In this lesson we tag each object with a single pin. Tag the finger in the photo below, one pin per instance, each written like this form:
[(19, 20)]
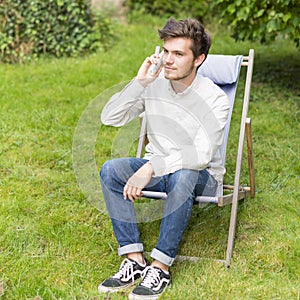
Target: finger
[(153, 59), (158, 71), (125, 190), (129, 193), (139, 193), (136, 192), (148, 61), (133, 192)]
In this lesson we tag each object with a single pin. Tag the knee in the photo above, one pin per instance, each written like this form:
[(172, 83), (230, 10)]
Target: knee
[(107, 171), (115, 170)]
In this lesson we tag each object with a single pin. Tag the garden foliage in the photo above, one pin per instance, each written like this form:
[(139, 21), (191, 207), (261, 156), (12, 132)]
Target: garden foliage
[(262, 20), (196, 9), (55, 27)]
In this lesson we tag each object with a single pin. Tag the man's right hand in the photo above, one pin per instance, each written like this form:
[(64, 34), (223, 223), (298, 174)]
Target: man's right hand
[(144, 76)]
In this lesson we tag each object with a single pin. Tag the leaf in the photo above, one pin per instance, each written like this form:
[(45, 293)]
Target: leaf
[(271, 26), (259, 13), (287, 17)]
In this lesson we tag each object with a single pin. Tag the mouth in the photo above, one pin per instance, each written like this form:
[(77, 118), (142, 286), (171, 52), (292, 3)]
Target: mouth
[(169, 68)]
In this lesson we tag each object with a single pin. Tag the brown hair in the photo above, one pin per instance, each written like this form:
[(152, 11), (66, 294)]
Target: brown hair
[(187, 28)]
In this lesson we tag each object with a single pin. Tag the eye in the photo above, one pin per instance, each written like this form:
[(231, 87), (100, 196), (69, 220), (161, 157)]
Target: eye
[(179, 54)]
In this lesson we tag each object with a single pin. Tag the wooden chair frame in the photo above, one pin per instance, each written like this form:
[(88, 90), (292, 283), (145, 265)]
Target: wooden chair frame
[(234, 192)]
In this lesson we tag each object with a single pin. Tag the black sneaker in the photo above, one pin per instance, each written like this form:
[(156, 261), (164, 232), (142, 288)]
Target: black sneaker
[(130, 271), (153, 284)]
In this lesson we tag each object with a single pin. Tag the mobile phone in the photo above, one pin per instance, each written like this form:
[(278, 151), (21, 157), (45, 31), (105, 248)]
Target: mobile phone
[(155, 67)]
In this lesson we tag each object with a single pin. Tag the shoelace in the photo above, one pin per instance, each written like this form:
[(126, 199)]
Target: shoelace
[(125, 271), (150, 277)]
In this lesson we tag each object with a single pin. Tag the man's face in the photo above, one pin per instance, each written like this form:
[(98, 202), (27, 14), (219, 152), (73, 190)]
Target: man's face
[(179, 61)]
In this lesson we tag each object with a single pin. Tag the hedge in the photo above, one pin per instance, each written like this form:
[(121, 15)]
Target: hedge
[(30, 28)]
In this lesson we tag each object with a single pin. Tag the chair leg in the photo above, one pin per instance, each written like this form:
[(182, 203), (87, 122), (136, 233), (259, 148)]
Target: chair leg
[(231, 233), (250, 157)]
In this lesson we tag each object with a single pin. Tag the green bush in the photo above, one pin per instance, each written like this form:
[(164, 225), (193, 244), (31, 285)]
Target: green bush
[(176, 8), (55, 27), (262, 20)]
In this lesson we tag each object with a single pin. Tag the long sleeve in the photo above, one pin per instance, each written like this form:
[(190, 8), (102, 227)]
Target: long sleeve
[(124, 106)]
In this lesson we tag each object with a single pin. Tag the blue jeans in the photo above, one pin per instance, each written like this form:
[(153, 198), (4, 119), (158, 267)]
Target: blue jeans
[(181, 187)]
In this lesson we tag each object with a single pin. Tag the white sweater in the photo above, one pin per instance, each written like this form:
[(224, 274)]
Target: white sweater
[(184, 130)]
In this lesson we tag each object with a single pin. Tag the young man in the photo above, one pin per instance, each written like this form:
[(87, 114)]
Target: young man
[(186, 115)]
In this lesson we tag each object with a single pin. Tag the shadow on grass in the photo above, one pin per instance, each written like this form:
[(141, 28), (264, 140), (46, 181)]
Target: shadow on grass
[(205, 237)]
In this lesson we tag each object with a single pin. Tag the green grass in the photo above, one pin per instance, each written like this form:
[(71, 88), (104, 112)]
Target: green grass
[(54, 244)]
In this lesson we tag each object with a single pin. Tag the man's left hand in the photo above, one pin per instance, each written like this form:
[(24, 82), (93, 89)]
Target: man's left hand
[(135, 184)]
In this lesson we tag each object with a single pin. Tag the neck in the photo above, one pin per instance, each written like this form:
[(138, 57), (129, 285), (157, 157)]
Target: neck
[(180, 85)]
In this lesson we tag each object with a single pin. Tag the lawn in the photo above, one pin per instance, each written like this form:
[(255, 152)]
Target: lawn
[(56, 241)]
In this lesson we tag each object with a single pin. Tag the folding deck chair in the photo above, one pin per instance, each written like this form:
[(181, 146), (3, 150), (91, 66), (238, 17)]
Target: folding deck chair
[(224, 70)]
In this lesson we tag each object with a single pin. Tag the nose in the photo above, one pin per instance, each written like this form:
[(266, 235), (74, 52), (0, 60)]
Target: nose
[(168, 58)]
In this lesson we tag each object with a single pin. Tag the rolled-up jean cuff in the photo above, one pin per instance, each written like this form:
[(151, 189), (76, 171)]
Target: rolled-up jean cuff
[(130, 249), (163, 258)]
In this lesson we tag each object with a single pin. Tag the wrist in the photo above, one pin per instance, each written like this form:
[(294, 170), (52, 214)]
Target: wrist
[(143, 82), (150, 167)]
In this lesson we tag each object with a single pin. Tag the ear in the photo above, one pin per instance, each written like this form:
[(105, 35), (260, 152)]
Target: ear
[(199, 60)]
